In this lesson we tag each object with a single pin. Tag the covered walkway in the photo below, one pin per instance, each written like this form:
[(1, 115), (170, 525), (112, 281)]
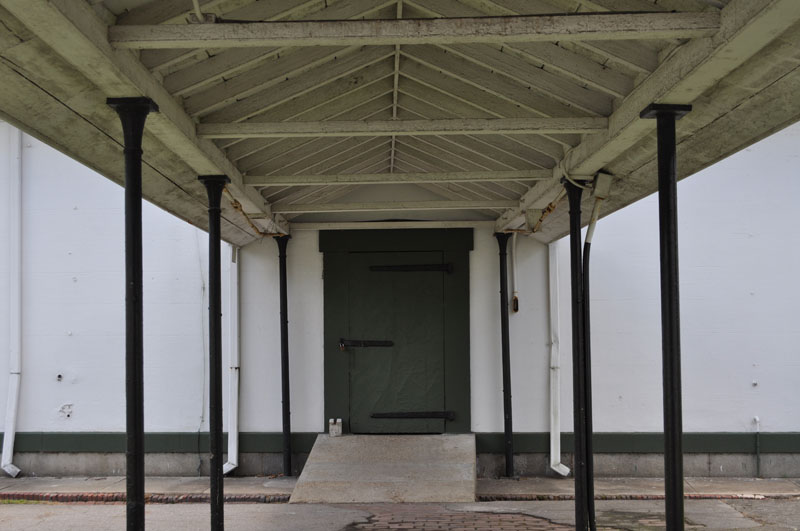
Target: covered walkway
[(523, 116)]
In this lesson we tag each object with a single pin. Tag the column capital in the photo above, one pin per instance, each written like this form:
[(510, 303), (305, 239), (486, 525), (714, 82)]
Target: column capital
[(140, 104), (654, 110), (210, 180)]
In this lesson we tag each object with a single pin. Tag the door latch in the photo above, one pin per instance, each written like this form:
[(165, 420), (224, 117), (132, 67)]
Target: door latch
[(363, 343)]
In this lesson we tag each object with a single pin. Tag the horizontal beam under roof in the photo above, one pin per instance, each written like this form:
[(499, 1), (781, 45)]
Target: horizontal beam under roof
[(298, 208), (461, 126), (522, 28), (397, 178)]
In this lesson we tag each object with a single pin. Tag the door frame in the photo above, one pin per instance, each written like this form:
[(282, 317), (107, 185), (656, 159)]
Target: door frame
[(455, 244)]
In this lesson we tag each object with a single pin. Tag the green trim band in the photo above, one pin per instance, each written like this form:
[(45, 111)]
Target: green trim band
[(491, 443), (649, 443), (154, 443)]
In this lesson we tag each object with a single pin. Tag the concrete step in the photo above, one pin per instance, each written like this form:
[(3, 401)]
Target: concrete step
[(388, 469)]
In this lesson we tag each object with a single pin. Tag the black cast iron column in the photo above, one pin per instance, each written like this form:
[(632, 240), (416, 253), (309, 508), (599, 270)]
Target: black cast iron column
[(587, 385), (666, 115), (282, 242), (508, 429), (133, 113), (581, 371), (215, 184)]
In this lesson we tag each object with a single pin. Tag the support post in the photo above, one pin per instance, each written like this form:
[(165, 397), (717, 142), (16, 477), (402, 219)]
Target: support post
[(666, 116), (508, 429), (587, 384), (581, 372), (215, 184), (133, 113), (282, 242)]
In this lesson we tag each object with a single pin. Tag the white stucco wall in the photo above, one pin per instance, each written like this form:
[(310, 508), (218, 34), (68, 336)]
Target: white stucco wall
[(73, 302), (739, 255), (260, 407), (529, 335)]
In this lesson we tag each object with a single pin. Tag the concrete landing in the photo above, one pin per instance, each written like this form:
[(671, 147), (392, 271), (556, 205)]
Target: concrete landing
[(388, 469)]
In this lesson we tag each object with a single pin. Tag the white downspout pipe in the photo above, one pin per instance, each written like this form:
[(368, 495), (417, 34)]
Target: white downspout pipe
[(233, 375), (555, 366), (15, 302)]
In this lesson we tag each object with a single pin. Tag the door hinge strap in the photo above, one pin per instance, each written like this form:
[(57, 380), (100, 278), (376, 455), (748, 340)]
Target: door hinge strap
[(447, 415)]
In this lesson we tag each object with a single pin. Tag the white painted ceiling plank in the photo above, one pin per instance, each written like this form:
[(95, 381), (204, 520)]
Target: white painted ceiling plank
[(269, 73), (314, 154), (429, 103), (443, 152), (535, 78), (353, 153), (251, 104), (307, 108), (284, 148), (483, 79)]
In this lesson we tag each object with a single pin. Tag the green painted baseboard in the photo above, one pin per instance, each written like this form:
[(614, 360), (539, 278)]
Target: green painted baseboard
[(648, 443), (266, 442), (167, 442)]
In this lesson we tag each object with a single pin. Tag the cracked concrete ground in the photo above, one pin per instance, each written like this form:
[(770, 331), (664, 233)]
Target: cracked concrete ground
[(767, 514), (775, 505)]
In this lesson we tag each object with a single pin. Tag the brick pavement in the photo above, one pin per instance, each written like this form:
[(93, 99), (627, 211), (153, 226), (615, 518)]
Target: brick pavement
[(427, 517)]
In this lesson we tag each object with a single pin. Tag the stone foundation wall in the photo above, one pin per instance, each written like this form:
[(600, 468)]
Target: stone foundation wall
[(488, 465)]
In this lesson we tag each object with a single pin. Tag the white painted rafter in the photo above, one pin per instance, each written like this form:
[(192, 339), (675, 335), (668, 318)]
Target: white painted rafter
[(396, 79), (286, 148), (340, 98), (296, 155)]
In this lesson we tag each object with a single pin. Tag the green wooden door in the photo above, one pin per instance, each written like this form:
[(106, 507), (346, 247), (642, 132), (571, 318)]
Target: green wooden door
[(392, 299)]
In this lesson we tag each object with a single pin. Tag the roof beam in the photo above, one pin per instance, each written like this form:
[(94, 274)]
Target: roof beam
[(77, 33), (388, 206), (358, 225), (471, 126), (396, 178), (523, 28)]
